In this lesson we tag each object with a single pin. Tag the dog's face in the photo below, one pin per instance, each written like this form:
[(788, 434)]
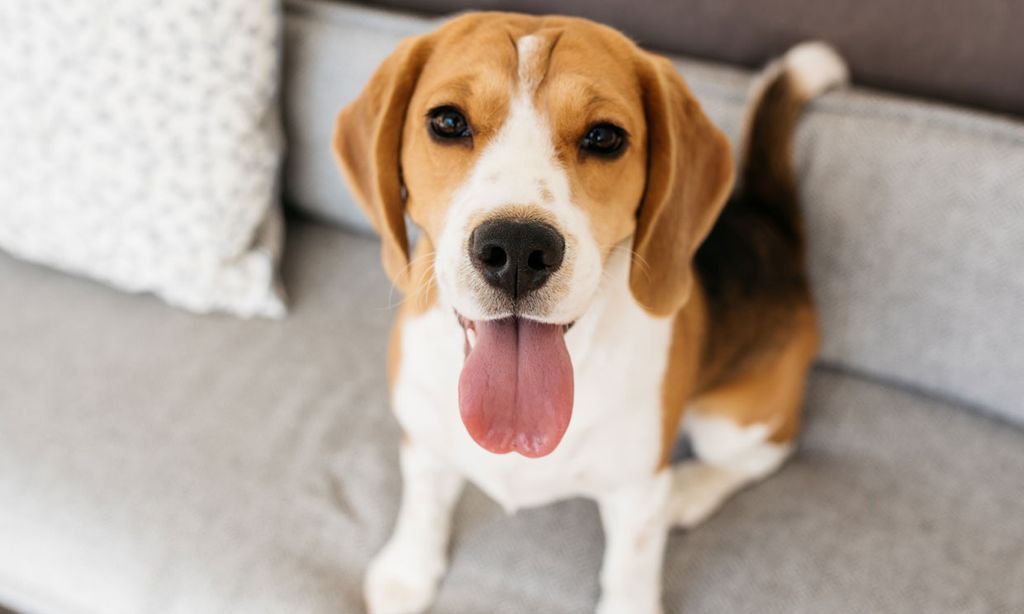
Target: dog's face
[(523, 151), (526, 149)]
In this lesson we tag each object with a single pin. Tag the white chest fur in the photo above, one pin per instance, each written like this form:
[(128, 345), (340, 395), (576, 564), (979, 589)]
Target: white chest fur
[(619, 354)]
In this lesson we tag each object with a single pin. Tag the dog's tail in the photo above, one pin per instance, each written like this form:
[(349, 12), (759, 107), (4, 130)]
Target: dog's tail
[(767, 177)]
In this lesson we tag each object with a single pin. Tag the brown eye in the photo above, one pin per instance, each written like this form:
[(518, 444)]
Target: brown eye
[(448, 123), (604, 139)]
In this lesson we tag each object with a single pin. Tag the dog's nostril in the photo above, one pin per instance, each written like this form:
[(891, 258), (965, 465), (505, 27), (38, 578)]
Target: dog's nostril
[(493, 256), (536, 260)]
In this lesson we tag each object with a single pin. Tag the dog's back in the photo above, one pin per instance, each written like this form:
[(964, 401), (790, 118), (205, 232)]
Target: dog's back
[(752, 264)]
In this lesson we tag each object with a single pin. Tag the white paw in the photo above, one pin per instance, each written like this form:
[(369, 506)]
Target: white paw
[(399, 584), (698, 490)]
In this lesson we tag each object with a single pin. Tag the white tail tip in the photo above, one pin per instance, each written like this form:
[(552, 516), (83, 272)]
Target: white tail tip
[(816, 67)]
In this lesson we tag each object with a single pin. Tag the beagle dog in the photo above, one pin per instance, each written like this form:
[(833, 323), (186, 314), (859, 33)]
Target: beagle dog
[(583, 288)]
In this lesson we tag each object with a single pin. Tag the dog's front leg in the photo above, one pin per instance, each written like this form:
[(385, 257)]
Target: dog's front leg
[(403, 577), (635, 520)]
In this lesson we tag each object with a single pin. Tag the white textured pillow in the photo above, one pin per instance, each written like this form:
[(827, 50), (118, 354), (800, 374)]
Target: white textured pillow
[(140, 145)]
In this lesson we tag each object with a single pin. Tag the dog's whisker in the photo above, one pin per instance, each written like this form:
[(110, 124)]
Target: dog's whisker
[(409, 269), (422, 284), (644, 266)]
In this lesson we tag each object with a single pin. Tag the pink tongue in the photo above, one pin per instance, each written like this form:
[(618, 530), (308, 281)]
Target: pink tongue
[(515, 392)]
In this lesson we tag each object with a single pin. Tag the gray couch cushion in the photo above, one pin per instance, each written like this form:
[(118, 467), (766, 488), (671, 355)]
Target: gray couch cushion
[(915, 211), (330, 53), (159, 462)]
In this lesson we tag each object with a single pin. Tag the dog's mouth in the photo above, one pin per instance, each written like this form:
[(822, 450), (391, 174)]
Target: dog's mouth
[(516, 387)]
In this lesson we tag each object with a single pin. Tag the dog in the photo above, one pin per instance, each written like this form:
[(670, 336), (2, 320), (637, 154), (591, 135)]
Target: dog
[(586, 274)]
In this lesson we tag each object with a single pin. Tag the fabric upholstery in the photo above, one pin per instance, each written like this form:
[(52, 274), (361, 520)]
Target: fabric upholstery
[(155, 461), (330, 54), (963, 52), (914, 210), (140, 145)]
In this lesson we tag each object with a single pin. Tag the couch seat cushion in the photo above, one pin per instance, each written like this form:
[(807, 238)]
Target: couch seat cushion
[(160, 462)]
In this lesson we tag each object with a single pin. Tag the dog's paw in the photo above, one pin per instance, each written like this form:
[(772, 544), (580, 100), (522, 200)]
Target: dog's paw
[(698, 490), (397, 584)]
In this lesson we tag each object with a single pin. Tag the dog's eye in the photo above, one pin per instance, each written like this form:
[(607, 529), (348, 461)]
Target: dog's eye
[(604, 139), (448, 123)]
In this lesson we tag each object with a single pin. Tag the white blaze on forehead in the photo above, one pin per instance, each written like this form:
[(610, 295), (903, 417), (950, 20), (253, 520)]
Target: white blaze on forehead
[(520, 167), (530, 57), (521, 162)]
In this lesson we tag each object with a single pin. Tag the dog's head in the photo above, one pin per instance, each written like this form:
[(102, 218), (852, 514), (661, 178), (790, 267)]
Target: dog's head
[(527, 149)]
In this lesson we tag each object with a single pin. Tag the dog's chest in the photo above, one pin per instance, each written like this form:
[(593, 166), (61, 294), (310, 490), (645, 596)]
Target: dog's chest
[(619, 356)]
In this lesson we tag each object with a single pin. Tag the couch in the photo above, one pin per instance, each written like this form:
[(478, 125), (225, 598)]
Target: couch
[(153, 461)]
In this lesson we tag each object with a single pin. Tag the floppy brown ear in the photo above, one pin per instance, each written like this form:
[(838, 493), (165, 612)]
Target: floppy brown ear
[(689, 176), (367, 144)]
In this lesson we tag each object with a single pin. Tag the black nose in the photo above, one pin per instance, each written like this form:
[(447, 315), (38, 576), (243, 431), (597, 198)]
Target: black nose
[(516, 257)]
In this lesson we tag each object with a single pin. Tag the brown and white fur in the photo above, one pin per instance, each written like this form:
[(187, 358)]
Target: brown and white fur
[(684, 312)]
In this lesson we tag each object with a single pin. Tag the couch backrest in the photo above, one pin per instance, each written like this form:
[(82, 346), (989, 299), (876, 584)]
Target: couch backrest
[(915, 211), (968, 52)]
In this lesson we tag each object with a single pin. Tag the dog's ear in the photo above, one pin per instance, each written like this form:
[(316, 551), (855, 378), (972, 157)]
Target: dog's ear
[(689, 177), (367, 144)]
